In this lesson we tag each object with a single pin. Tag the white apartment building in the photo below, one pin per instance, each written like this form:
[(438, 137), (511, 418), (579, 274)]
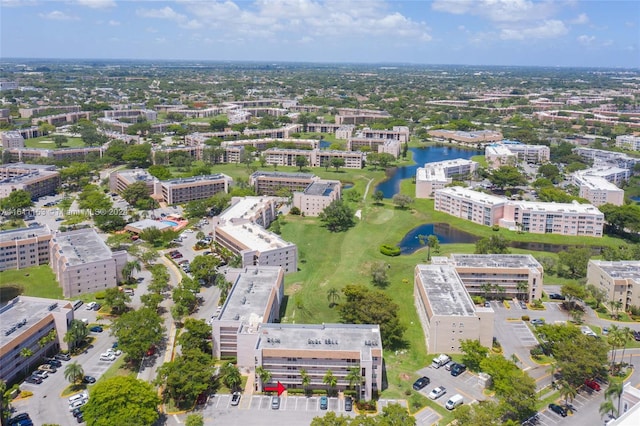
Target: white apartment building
[(447, 313), (631, 142), (536, 154), (120, 180), (615, 175), (241, 229), (28, 323), (183, 190), (480, 208), (264, 143), (255, 297), (83, 263), (12, 139), (599, 156), (270, 183), (437, 175), (24, 247), (314, 157), (317, 196), (620, 280), (286, 349), (509, 271), (498, 155), (474, 137), (553, 218), (598, 190), (536, 217)]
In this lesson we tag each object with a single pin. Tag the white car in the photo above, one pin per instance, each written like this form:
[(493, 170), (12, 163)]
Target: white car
[(108, 356), (90, 306), (77, 404), (116, 352), (437, 392)]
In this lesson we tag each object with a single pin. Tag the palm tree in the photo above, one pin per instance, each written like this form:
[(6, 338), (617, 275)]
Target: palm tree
[(264, 375), (617, 306), (486, 288), (306, 379), (232, 378), (330, 380), (608, 407), (332, 295), (200, 235), (26, 353), (614, 340), (354, 378), (73, 373), (522, 287), (615, 389), (567, 391), (626, 335), (500, 290), (129, 267)]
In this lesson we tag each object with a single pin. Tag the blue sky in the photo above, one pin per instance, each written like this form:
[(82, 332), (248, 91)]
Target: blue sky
[(602, 33)]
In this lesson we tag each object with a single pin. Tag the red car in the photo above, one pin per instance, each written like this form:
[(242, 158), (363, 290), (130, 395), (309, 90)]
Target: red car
[(151, 351), (592, 384)]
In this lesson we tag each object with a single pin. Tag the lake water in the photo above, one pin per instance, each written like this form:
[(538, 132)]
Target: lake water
[(429, 154), (636, 199)]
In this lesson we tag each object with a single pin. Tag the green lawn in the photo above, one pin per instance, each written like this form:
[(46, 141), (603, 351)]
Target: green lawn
[(481, 160), (37, 281), (47, 142), (12, 224)]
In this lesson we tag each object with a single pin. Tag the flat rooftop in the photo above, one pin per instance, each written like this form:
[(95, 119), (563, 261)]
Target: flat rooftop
[(556, 207), (254, 237), (291, 175), (320, 337), (437, 171), (246, 207), (249, 295), (495, 260), (26, 166), (136, 175), (23, 312), (24, 233), (629, 269), (322, 188), (480, 197), (82, 246), (497, 149), (28, 177), (595, 182), (602, 171), (445, 290)]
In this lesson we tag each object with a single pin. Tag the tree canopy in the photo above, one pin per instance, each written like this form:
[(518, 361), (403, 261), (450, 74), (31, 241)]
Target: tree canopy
[(507, 176), (136, 331), (337, 216)]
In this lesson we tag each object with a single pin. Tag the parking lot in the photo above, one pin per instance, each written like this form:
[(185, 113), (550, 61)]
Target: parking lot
[(466, 384), (586, 399)]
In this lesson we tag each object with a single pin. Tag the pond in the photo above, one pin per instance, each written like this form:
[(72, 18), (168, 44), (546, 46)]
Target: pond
[(447, 234), (429, 154), (636, 199)]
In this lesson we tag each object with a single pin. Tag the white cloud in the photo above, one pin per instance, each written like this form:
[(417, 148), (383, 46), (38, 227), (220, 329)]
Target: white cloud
[(18, 3), (97, 4), (164, 13), (586, 40), (498, 10), (581, 19), (56, 15), (548, 29), (114, 23)]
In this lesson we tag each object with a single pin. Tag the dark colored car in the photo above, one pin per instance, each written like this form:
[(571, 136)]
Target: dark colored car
[(80, 418), (558, 410), (202, 398), (88, 379), (458, 369), (537, 321), (97, 307), (348, 404), (592, 384), (54, 362), (556, 296), (15, 420), (421, 383), (76, 412), (34, 380), (62, 357), (96, 329)]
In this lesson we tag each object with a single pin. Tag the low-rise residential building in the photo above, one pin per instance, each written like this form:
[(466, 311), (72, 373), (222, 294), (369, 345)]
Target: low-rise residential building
[(352, 160), (286, 349), (38, 181), (506, 153), (264, 143), (241, 229), (599, 156), (64, 154), (447, 313), (598, 190), (473, 138), (379, 145), (359, 116), (120, 180), (255, 297), (117, 114), (35, 324), (60, 119), (314, 157), (182, 190), (271, 183), (480, 208), (437, 175), (24, 247), (83, 263), (498, 155), (536, 217), (317, 196), (631, 142), (620, 280), (615, 175), (398, 133), (12, 139), (30, 112), (284, 132), (511, 275)]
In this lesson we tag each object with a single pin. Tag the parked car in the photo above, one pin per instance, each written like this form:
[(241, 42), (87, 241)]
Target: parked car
[(537, 321), (107, 357), (558, 410), (48, 368), (453, 402), (440, 360), (458, 369), (97, 307), (605, 331), (76, 412), (275, 402), (62, 357), (77, 404), (20, 419), (202, 398), (449, 366), (592, 384), (88, 379), (324, 403), (421, 383), (116, 352), (40, 373), (53, 362), (235, 398), (348, 404), (34, 380), (151, 351), (523, 305), (556, 296), (90, 306), (437, 392), (96, 329)]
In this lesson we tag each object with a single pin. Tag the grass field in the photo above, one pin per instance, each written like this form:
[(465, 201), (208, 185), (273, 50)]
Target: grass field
[(47, 142), (37, 281)]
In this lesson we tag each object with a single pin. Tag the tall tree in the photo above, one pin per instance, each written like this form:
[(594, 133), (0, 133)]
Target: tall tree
[(337, 216), (187, 376), (136, 331), (74, 373), (231, 376), (333, 295), (264, 375), (17, 203), (301, 162), (330, 380)]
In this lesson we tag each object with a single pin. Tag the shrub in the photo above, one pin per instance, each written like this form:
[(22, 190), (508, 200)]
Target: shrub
[(525, 318), (294, 211), (478, 300), (26, 394), (100, 295), (388, 250), (366, 405), (495, 228)]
